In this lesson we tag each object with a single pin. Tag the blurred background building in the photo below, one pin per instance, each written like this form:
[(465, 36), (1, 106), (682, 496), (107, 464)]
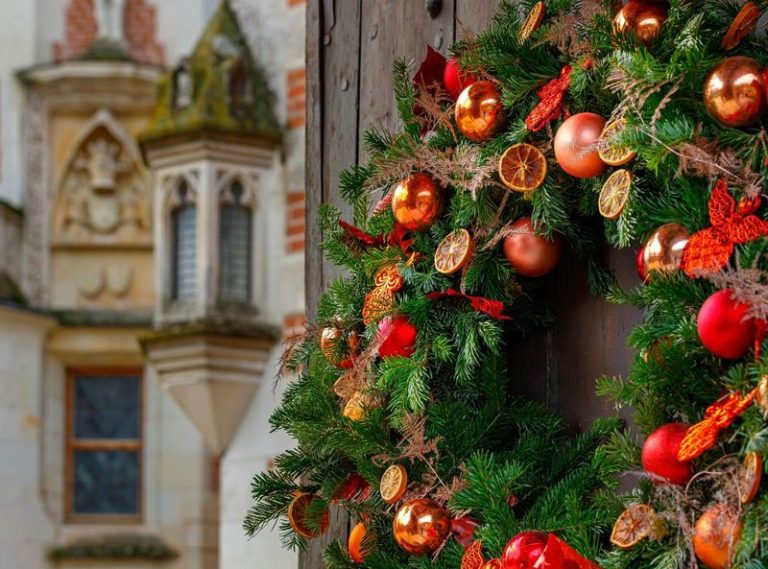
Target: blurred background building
[(151, 262)]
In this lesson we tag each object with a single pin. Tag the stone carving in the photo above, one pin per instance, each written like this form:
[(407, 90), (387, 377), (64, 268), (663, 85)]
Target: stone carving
[(184, 88), (115, 279), (90, 284), (119, 280), (109, 17), (104, 194)]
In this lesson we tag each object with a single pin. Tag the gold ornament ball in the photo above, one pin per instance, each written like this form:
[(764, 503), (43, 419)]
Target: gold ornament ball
[(734, 91), (479, 112), (576, 145), (421, 526), (417, 202), (715, 536), (664, 249), (642, 17)]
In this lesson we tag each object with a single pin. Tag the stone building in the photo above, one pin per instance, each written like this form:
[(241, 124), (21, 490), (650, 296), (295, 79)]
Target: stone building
[(151, 261)]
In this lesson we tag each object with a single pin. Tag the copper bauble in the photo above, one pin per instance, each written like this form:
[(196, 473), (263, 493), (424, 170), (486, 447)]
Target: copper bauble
[(715, 537), (664, 249), (330, 338), (479, 112), (576, 145), (734, 91), (417, 202), (642, 17), (531, 255), (421, 526)]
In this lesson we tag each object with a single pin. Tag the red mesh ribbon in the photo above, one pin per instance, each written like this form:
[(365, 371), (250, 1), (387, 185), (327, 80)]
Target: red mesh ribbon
[(721, 414), (473, 556), (710, 249), (493, 308), (550, 106), (558, 554), (398, 237)]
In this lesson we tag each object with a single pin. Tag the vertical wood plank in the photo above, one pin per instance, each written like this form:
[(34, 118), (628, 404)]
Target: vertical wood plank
[(472, 17)]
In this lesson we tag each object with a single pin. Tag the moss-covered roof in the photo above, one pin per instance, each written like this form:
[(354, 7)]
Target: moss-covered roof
[(105, 50), (229, 93)]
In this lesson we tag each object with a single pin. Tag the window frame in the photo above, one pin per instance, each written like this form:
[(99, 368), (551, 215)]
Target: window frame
[(243, 204), (71, 445), (182, 190)]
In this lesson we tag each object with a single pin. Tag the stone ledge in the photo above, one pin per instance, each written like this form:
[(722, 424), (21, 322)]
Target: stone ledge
[(95, 318)]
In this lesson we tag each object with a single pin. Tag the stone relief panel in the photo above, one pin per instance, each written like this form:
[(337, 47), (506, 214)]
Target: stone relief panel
[(103, 196)]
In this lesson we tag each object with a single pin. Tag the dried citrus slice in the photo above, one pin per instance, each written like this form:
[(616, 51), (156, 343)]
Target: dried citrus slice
[(522, 167), (357, 404), (762, 394), (347, 385), (750, 476), (637, 522), (609, 150), (297, 517), (393, 483), (454, 252), (615, 193), (743, 24), (533, 21)]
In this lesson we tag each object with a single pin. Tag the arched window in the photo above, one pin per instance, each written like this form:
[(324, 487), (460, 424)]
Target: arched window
[(184, 236), (235, 246)]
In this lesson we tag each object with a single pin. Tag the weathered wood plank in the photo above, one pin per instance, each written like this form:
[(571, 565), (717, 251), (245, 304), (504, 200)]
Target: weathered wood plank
[(473, 17)]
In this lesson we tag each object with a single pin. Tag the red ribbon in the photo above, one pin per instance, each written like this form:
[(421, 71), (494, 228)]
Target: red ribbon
[(493, 308), (710, 249), (398, 237), (558, 554), (550, 106)]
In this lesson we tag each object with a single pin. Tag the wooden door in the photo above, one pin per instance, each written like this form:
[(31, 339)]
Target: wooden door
[(351, 46)]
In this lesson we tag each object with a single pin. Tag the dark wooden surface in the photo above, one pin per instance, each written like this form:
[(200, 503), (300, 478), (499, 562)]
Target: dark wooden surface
[(351, 46)]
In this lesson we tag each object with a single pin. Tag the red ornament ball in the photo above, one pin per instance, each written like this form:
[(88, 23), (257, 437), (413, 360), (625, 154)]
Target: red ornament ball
[(456, 80), (659, 454), (524, 550), (723, 326), (640, 264), (398, 337), (576, 145), (531, 255)]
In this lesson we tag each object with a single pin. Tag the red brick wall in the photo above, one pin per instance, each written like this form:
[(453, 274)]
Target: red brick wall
[(295, 2), (297, 97), (294, 325), (140, 25), (295, 222)]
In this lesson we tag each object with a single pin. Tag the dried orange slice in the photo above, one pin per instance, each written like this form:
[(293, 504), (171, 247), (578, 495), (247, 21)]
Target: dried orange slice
[(762, 394), (346, 386), (522, 167), (615, 193), (533, 21), (454, 252), (393, 483), (743, 24), (297, 517), (750, 476), (610, 151), (637, 522), (355, 408)]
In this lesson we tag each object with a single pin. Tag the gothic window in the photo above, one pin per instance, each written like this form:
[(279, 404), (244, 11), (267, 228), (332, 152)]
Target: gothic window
[(240, 87), (184, 245), (235, 231), (104, 445)]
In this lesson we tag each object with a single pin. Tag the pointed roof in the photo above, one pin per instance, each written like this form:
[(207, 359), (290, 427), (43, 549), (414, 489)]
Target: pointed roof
[(219, 88)]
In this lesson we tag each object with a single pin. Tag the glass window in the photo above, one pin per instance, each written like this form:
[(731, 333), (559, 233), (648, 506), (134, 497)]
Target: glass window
[(184, 235), (235, 247), (104, 445)]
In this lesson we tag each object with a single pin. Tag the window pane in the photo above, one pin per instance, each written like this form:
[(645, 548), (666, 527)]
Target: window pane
[(106, 407), (235, 249), (184, 246), (106, 482)]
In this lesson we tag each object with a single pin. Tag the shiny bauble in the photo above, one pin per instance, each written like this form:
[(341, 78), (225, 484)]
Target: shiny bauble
[(663, 250), (455, 79), (417, 202), (531, 255), (723, 326), (642, 17), (524, 550), (734, 91), (421, 526), (576, 145), (330, 338), (355, 487), (479, 113), (357, 549), (659, 456), (715, 536), (640, 264), (493, 564), (397, 336)]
